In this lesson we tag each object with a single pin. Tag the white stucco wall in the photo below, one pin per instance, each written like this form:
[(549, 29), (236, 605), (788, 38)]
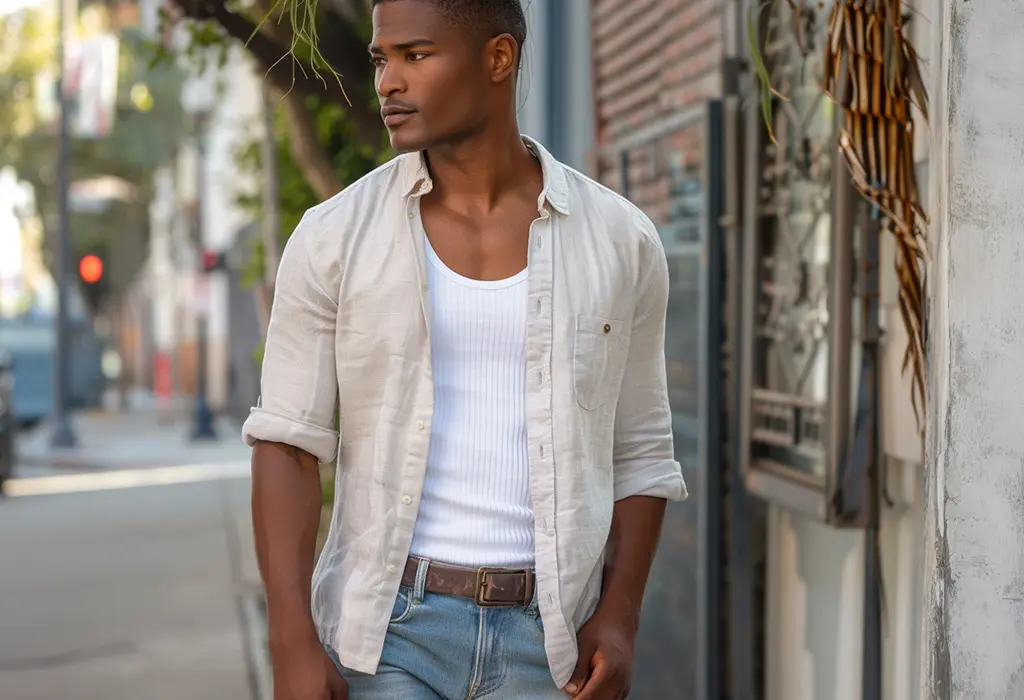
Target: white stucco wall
[(975, 447), (815, 609)]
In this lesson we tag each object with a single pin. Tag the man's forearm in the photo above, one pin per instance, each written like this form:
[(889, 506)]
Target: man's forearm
[(286, 500), (636, 527)]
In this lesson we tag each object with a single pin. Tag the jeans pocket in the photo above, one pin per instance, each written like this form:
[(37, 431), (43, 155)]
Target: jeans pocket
[(403, 606), (533, 613)]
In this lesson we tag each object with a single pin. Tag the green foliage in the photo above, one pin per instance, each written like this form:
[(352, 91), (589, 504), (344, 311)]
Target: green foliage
[(327, 491), (27, 53), (351, 158), (208, 45), (302, 17), (766, 91), (144, 136)]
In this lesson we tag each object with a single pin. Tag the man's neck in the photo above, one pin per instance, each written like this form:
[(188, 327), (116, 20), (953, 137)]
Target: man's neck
[(479, 172)]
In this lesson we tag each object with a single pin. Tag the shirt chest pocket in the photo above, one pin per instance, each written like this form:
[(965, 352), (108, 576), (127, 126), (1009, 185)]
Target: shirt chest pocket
[(597, 353)]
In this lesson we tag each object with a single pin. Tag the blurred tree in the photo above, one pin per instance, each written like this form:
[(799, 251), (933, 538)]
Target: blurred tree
[(145, 136), (325, 136), (307, 75), (350, 159)]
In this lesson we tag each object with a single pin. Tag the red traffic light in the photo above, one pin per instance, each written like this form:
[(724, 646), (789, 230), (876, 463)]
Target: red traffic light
[(90, 268), (212, 260)]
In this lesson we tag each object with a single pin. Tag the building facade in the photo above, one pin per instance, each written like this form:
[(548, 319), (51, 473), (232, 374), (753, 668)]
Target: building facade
[(794, 571)]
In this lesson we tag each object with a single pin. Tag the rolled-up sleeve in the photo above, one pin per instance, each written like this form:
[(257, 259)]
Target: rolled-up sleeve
[(644, 460), (298, 386)]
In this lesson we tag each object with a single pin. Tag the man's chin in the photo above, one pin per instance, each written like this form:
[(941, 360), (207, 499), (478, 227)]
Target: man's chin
[(406, 143)]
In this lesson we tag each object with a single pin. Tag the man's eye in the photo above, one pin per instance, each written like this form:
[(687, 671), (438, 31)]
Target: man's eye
[(377, 61), (417, 56)]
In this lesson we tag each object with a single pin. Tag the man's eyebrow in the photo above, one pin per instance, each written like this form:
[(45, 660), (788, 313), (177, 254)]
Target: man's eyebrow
[(404, 46)]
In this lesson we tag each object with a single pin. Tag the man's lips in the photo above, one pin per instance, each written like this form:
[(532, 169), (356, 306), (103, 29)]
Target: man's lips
[(393, 116)]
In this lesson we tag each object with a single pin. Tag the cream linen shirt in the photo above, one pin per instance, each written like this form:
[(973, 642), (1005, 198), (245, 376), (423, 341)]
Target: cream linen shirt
[(349, 332)]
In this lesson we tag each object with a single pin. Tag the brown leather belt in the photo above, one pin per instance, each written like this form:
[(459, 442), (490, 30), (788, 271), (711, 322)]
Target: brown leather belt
[(489, 587)]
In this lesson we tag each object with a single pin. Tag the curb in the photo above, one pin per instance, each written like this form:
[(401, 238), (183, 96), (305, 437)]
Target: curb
[(72, 462), (98, 463), (254, 622)]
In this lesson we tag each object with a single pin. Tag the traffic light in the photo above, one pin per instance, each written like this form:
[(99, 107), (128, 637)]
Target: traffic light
[(213, 260), (90, 267), (93, 280)]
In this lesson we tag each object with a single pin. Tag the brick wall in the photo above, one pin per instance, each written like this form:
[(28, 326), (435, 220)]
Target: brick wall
[(655, 61), (652, 59)]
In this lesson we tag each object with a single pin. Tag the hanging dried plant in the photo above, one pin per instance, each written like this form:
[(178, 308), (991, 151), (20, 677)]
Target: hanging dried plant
[(872, 73), (300, 16)]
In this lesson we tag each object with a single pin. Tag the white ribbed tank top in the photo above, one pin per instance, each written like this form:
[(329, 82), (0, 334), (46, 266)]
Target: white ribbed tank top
[(476, 509)]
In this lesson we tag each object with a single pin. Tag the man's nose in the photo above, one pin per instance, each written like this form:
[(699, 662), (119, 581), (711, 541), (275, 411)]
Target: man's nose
[(389, 80)]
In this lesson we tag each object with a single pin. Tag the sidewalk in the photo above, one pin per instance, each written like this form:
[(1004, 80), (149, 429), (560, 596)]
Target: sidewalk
[(130, 440), (132, 593), (163, 596)]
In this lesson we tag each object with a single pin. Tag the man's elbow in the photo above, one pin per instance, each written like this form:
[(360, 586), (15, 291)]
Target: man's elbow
[(658, 478)]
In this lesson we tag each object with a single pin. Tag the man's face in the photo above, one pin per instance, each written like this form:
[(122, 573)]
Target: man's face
[(432, 80)]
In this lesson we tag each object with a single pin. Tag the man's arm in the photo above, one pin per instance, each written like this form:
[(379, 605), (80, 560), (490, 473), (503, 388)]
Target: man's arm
[(636, 528), (291, 431), (646, 477), (286, 501)]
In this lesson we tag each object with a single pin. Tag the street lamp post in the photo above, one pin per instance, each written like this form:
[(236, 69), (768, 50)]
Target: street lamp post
[(203, 419), (63, 435)]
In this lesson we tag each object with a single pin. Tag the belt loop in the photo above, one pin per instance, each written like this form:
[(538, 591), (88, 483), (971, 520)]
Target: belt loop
[(419, 589)]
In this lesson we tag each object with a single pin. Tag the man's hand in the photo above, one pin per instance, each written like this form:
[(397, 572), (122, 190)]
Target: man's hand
[(605, 667), (307, 672)]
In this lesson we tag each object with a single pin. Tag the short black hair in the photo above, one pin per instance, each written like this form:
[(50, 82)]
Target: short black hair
[(491, 17)]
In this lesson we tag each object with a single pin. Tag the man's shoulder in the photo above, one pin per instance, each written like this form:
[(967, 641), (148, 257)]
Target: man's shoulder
[(598, 202), (366, 193)]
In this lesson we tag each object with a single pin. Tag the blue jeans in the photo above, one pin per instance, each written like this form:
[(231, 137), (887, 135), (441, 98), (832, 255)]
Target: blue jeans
[(441, 647)]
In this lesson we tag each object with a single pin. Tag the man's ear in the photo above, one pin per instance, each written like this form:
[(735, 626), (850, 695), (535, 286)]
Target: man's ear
[(503, 53)]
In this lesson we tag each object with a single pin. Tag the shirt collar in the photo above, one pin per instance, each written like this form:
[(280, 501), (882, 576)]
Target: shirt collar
[(416, 180)]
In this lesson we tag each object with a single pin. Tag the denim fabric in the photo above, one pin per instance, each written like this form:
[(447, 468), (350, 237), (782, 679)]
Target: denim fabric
[(441, 647)]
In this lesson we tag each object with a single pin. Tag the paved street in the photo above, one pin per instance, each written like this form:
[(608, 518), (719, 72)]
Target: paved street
[(125, 583)]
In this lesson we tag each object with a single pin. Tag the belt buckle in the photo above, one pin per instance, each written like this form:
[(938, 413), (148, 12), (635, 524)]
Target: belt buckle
[(482, 580)]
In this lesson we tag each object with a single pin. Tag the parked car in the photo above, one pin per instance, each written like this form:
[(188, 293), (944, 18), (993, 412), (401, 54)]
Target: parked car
[(31, 343), (7, 426)]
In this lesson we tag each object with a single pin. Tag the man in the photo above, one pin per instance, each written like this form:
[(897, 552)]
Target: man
[(486, 328)]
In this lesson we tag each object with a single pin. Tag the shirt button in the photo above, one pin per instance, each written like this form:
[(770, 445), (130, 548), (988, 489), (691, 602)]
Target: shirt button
[(407, 500), (420, 425), (607, 328), (391, 569)]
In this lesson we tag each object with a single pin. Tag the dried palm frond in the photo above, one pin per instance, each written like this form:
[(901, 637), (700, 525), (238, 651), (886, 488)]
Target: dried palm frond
[(872, 73)]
